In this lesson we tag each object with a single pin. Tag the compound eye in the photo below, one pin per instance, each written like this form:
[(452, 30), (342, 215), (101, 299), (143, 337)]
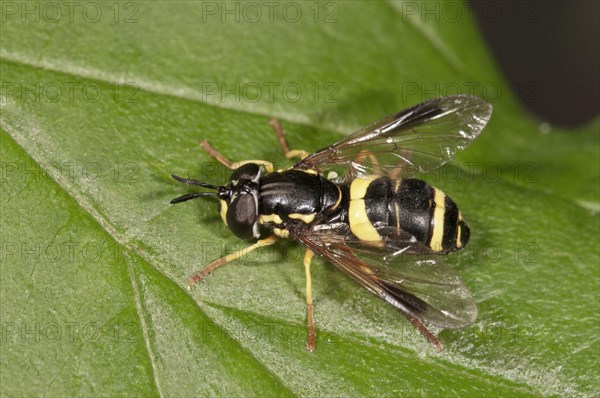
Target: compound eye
[(241, 216), (248, 171)]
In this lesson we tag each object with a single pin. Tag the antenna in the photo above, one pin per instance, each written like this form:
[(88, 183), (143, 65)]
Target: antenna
[(189, 196)]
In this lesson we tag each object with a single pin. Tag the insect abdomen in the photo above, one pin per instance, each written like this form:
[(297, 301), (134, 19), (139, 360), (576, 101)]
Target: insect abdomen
[(409, 205)]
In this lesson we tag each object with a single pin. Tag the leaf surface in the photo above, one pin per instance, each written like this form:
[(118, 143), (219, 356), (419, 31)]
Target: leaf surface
[(96, 115)]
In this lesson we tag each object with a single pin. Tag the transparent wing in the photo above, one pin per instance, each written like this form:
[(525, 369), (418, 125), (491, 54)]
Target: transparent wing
[(418, 139), (402, 271)]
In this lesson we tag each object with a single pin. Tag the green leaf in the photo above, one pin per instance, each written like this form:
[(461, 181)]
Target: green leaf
[(103, 101)]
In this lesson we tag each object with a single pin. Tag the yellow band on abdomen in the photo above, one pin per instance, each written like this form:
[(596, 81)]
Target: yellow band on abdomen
[(360, 225), (438, 221)]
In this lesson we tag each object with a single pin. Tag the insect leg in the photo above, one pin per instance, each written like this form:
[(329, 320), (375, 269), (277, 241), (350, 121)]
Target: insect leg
[(396, 172), (215, 154), (289, 154), (228, 163), (310, 345), (366, 154), (437, 344), (296, 153), (228, 258)]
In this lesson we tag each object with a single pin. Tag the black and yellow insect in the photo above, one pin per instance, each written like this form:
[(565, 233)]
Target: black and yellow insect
[(356, 204)]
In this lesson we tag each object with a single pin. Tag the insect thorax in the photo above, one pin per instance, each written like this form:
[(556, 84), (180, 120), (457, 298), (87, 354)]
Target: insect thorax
[(295, 197)]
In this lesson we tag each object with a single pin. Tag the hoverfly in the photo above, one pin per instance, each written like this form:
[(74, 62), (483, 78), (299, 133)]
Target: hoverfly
[(368, 215)]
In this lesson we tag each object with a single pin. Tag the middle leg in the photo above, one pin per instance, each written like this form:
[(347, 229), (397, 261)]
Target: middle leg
[(311, 344), (289, 153)]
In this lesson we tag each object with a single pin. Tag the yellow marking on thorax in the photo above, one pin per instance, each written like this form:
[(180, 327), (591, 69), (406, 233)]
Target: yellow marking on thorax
[(223, 211), (339, 199), (305, 218), (397, 211), (357, 212), (307, 171), (438, 221), (265, 163), (265, 218), (284, 233), (299, 153), (459, 232)]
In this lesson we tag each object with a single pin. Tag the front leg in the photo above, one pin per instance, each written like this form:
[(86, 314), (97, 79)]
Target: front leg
[(197, 277), (231, 165)]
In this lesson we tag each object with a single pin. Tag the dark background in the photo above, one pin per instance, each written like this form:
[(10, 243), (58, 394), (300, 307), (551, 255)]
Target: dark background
[(549, 51)]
